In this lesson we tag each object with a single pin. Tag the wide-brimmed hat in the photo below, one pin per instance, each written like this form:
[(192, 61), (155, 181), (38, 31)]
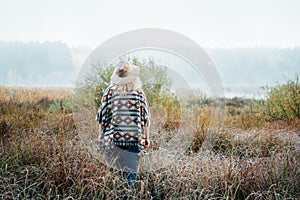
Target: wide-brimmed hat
[(124, 73)]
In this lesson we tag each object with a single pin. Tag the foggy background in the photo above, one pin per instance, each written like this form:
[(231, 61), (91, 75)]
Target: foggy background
[(243, 70), (252, 43)]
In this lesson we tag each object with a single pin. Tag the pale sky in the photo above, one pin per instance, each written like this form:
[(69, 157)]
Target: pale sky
[(211, 23)]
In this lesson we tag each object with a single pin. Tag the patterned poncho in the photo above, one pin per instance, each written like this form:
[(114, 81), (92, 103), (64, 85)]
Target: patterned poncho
[(122, 117)]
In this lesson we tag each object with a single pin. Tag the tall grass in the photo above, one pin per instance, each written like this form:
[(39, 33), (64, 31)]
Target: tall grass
[(43, 158)]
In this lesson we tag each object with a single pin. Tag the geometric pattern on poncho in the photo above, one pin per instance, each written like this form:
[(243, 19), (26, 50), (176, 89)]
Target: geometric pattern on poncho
[(123, 116)]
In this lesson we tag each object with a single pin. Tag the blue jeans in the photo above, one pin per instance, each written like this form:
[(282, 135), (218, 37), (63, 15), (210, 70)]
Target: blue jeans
[(130, 178), (125, 160)]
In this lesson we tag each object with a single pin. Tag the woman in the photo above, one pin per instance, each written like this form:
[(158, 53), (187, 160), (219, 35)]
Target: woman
[(124, 120)]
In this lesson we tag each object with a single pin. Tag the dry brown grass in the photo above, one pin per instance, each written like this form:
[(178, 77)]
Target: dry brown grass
[(42, 156)]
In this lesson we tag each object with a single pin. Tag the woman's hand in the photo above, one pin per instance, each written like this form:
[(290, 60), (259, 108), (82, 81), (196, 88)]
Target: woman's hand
[(147, 143)]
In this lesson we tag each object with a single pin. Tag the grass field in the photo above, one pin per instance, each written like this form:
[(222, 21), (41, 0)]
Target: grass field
[(250, 155)]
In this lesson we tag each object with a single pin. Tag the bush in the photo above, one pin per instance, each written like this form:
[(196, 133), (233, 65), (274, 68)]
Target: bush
[(89, 91), (61, 106), (283, 101)]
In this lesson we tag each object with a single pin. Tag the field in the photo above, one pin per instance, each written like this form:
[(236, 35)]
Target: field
[(254, 153)]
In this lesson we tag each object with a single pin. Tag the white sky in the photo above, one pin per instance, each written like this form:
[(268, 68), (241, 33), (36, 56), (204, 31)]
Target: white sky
[(210, 23)]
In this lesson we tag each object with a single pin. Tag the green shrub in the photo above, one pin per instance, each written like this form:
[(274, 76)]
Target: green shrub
[(61, 106), (283, 101), (88, 93)]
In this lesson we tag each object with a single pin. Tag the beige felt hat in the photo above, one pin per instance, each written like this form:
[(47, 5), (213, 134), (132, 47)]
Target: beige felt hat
[(124, 73)]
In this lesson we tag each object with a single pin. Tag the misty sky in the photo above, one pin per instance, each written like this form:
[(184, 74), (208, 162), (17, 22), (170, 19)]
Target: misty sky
[(210, 23)]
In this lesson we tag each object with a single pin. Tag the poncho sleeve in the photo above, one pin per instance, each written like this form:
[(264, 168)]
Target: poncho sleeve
[(103, 109), (145, 111)]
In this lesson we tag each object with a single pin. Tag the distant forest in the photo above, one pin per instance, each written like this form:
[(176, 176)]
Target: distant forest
[(36, 63), (256, 66), (53, 64)]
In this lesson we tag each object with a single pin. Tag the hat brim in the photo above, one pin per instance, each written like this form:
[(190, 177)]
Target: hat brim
[(129, 78)]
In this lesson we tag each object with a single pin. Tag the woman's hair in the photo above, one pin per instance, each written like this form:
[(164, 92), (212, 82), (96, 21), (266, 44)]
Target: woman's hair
[(129, 87)]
